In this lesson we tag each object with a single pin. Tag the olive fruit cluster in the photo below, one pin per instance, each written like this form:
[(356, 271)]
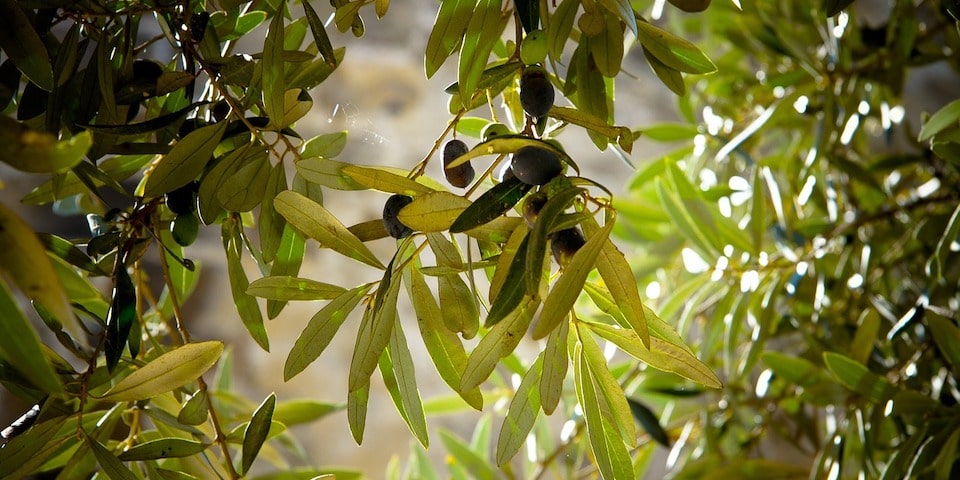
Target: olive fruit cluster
[(461, 175), (183, 203), (395, 228)]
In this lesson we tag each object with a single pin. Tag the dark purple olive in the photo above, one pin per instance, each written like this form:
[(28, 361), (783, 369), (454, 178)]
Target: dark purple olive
[(532, 206), (184, 199), (535, 165), (391, 209), (565, 243), (536, 92), (463, 174)]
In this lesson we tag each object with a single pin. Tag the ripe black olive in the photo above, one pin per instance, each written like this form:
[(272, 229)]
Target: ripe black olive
[(536, 92), (391, 209), (535, 166), (532, 206), (184, 199), (220, 110), (565, 243), (461, 175)]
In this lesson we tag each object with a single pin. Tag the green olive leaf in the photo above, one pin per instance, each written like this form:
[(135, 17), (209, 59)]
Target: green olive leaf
[(607, 49), (537, 245), (555, 364), (293, 288), (521, 414), (327, 145), (319, 224), (24, 260), (443, 345), (194, 411), (357, 411), (111, 465), (661, 355), (320, 330), (302, 411), (512, 288), (374, 333), (433, 212), (624, 10), (856, 377), (396, 366), (567, 288), (256, 432), (274, 80), (649, 421), (385, 181), (244, 189), (560, 26), (510, 144), (673, 51), (499, 342), (610, 452), (185, 161), (608, 387), (169, 371), (21, 44), (590, 122), (33, 151), (20, 346), (447, 33), (246, 304), (492, 204), (670, 77), (483, 30), (163, 448), (320, 37), (287, 262)]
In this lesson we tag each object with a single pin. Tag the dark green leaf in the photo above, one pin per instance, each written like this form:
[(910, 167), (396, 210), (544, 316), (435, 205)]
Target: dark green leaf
[(513, 288), (464, 457), (256, 432), (673, 51), (163, 448), (293, 288), (194, 411), (246, 304), (537, 241), (21, 44), (374, 331), (320, 35), (357, 412), (122, 314), (111, 465), (145, 126), (555, 365), (185, 161), (20, 346), (492, 204), (499, 342), (834, 7), (646, 418), (857, 378), (274, 80)]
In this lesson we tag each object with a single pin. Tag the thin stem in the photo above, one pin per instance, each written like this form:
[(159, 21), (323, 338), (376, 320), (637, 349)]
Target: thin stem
[(421, 166)]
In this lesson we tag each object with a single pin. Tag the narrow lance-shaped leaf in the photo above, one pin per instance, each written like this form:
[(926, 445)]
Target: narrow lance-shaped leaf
[(646, 418), (537, 243), (287, 263), (122, 314), (608, 450), (21, 44), (357, 412), (194, 411), (858, 378), (492, 204), (555, 365), (484, 29), (163, 448), (448, 29), (20, 346), (442, 344), (256, 432), (246, 304), (111, 465), (320, 330), (661, 355), (433, 212), (374, 331), (293, 288), (384, 180), (396, 366), (24, 260), (617, 274), (318, 223), (673, 51), (513, 289), (608, 388), (320, 36), (568, 287), (521, 414), (499, 342), (167, 372), (185, 162), (274, 80)]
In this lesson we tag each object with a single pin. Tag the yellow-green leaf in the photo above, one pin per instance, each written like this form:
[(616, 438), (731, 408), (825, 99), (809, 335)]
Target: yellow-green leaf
[(374, 333), (396, 366), (555, 365), (510, 144), (499, 342), (856, 377), (112, 467), (163, 448), (384, 180), (40, 152), (320, 331), (568, 287), (521, 414), (185, 161), (484, 29), (357, 412), (319, 224), (20, 346), (673, 51), (608, 387), (433, 212), (293, 288), (169, 371), (24, 260), (661, 355), (274, 80), (448, 29)]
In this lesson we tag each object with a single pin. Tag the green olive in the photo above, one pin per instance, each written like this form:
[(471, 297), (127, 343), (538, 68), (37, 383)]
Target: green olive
[(533, 48), (494, 130), (185, 229)]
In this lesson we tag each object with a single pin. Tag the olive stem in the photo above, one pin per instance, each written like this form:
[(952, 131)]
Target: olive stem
[(421, 166), (486, 173)]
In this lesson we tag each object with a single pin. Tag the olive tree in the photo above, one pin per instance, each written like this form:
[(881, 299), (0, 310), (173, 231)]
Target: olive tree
[(811, 289)]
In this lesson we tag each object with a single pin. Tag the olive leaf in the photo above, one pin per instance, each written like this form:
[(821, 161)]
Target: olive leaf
[(20, 346), (274, 80), (246, 304), (256, 432), (396, 366), (111, 465), (433, 212), (492, 204), (21, 43), (611, 454), (293, 288), (185, 161), (384, 180), (483, 30), (163, 448), (673, 51), (448, 28), (521, 414), (167, 372)]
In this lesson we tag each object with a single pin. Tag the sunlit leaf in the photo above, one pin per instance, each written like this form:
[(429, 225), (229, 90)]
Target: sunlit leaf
[(293, 288), (357, 412), (464, 457), (608, 388), (858, 378), (246, 304), (521, 414), (447, 33), (167, 372), (185, 161), (374, 333), (673, 51), (319, 224), (510, 144), (555, 365), (384, 180), (567, 288), (609, 451), (433, 212), (396, 366), (483, 30), (499, 342), (320, 331)]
